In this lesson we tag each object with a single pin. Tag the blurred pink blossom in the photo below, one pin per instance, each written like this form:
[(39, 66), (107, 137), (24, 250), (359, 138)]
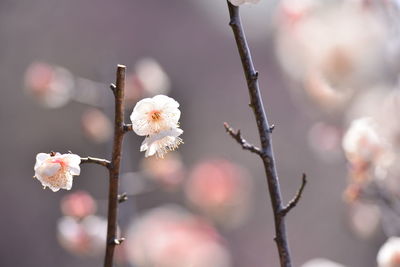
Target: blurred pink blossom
[(86, 237), (169, 171), (220, 189), (96, 125), (51, 86), (169, 236), (78, 204)]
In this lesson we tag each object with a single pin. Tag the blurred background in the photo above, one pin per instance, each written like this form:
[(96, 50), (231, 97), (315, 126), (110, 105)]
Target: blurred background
[(329, 81)]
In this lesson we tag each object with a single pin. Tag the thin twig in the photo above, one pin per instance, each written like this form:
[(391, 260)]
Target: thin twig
[(118, 91), (264, 130), (238, 137), (292, 203), (102, 162)]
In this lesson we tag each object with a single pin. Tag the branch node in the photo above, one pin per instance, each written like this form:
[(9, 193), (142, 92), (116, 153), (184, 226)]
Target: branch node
[(113, 87), (255, 76), (292, 203), (271, 128), (122, 197), (241, 141), (127, 128), (118, 241)]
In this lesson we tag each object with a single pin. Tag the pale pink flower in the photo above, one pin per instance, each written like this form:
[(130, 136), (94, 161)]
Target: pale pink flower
[(171, 237), (78, 204), (153, 115), (169, 171), (83, 237), (241, 2), (389, 253), (51, 86), (220, 189), (96, 125), (56, 171)]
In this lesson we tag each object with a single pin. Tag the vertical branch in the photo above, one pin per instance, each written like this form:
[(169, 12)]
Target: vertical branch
[(112, 240), (264, 130)]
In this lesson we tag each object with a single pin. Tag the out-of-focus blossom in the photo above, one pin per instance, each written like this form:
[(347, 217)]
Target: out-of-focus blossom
[(169, 171), (56, 171), (320, 262), (157, 118), (86, 237), (389, 253), (78, 204), (331, 47), (365, 149), (241, 2), (96, 125), (325, 140), (171, 237), (51, 86), (220, 189), (148, 79), (364, 219)]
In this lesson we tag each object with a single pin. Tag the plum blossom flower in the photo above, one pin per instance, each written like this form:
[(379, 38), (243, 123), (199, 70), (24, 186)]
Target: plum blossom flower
[(169, 236), (221, 190), (241, 2), (320, 262), (86, 237), (389, 253), (152, 115), (162, 142), (56, 171), (157, 118), (78, 204)]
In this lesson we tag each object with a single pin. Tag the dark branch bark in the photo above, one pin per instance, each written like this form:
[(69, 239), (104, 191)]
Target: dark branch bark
[(112, 239), (102, 162), (238, 137), (297, 197), (264, 130)]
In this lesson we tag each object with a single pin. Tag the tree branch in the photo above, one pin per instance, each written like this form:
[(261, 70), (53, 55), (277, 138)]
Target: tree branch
[(238, 137), (118, 91), (292, 203), (264, 130), (102, 162)]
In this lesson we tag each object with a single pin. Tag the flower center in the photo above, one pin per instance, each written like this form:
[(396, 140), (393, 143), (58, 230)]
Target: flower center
[(155, 115)]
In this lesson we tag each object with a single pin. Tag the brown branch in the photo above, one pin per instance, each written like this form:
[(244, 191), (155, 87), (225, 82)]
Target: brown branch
[(292, 203), (238, 137), (264, 130), (102, 162), (118, 91)]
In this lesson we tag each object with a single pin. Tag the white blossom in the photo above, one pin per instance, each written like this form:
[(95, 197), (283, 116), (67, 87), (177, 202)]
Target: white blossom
[(162, 142), (320, 262), (157, 118), (240, 2), (56, 171), (389, 253), (152, 115)]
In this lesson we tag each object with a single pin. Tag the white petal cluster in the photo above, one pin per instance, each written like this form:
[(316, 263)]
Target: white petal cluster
[(56, 171), (389, 253), (157, 118), (240, 2), (320, 262)]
